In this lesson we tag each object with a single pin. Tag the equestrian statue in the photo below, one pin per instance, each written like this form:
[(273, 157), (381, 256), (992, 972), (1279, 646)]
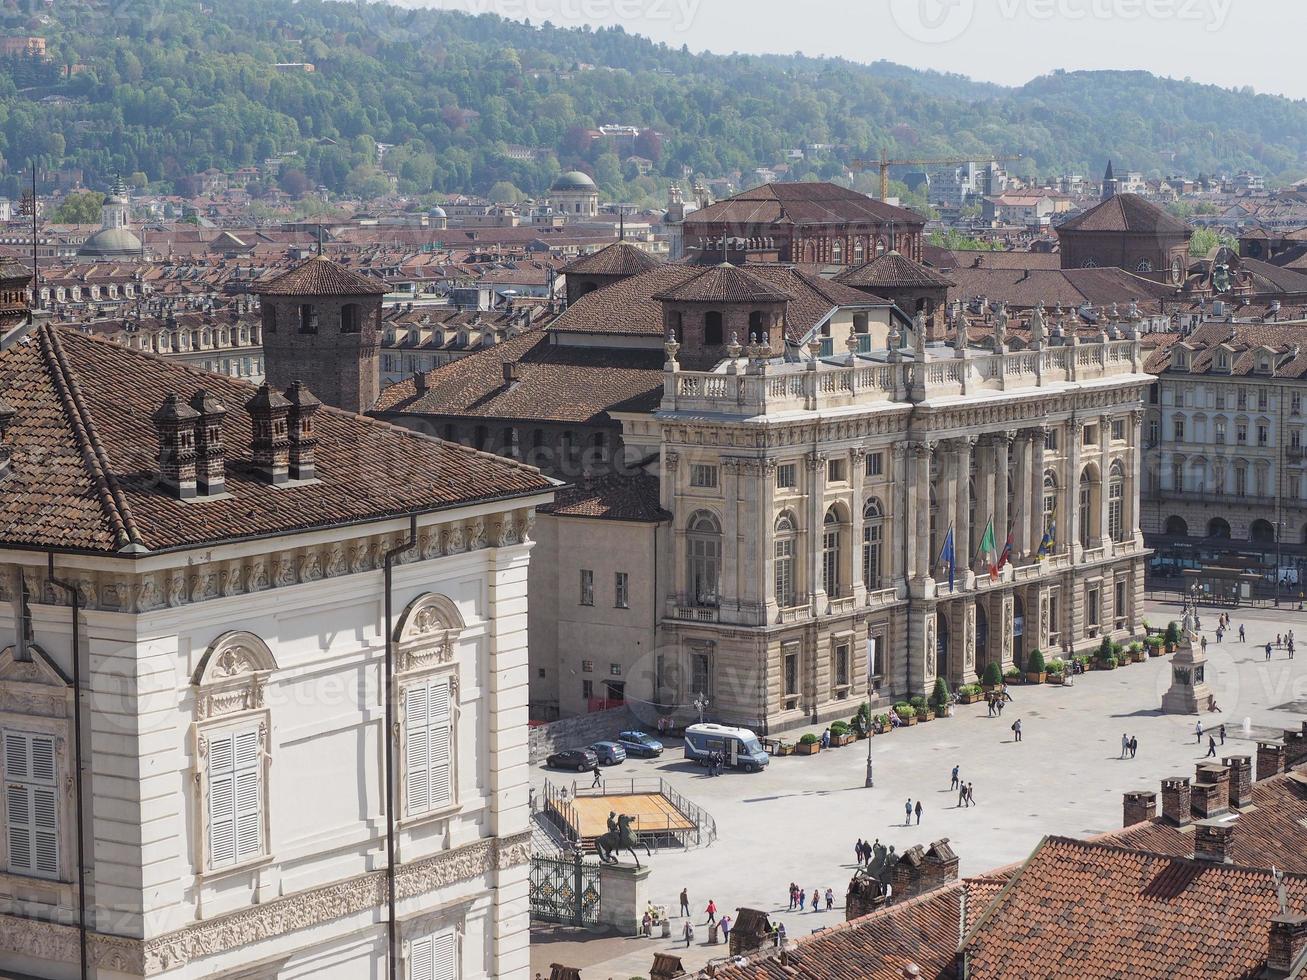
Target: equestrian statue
[(619, 838)]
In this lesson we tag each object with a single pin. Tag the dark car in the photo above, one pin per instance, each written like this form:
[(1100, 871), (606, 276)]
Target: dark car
[(638, 743), (578, 759), (610, 753)]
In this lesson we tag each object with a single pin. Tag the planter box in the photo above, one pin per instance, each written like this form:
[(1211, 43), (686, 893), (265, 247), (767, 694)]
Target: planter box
[(1056, 679), (784, 750), (806, 749), (838, 741), (1154, 651), (911, 721), (945, 712), (1104, 665), (1139, 656), (969, 698), (1035, 678), (928, 716)]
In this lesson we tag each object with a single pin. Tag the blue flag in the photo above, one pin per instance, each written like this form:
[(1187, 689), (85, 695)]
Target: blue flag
[(947, 554), (1049, 543)]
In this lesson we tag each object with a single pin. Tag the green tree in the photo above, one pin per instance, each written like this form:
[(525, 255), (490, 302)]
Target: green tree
[(505, 192), (79, 208)]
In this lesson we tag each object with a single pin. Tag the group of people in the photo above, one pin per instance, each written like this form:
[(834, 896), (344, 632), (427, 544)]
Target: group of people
[(996, 702), (799, 898), (966, 791), (1129, 745), (716, 762), (1212, 736), (908, 810), (687, 931), (1285, 641)]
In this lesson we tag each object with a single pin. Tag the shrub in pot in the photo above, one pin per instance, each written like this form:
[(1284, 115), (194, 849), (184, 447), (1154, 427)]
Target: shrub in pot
[(1035, 667), (992, 678), (1056, 671), (940, 699), (971, 693), (809, 744), (1011, 675), (840, 733), (922, 708), (1172, 636), (906, 713), (1154, 644)]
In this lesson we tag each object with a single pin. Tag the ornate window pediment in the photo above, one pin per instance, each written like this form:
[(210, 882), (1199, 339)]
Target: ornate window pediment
[(427, 633), (232, 675), (33, 687)]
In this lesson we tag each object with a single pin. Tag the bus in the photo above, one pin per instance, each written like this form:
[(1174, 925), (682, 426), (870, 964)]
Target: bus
[(739, 747)]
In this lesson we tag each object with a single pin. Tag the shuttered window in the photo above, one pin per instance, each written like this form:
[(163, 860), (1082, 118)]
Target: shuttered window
[(31, 804), (235, 798), (428, 746), (434, 957)]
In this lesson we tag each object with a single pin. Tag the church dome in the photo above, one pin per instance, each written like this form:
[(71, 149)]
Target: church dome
[(437, 212), (111, 243), (574, 181)]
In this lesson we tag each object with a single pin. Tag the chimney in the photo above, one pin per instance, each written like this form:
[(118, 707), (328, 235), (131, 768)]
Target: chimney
[(1212, 841), (1295, 747), (1139, 808), (1287, 944), (1241, 779), (7, 415), (1270, 759), (512, 372), (174, 422), (1176, 800), (419, 382), (270, 450), (211, 454), (1211, 791), (303, 440)]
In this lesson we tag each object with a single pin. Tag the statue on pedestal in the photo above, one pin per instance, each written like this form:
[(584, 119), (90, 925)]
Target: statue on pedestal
[(1189, 693)]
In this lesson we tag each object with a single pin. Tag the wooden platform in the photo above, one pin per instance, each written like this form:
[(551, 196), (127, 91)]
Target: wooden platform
[(652, 812)]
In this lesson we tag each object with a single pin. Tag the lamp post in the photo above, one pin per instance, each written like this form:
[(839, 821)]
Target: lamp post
[(700, 702)]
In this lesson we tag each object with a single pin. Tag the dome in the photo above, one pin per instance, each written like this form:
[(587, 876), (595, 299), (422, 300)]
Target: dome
[(110, 243), (437, 212), (574, 181)]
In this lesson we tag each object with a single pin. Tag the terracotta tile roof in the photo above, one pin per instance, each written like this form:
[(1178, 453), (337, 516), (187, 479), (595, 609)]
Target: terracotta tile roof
[(1126, 213), (1056, 287), (618, 259), (1095, 910), (85, 458), (893, 269), (557, 382), (1268, 278), (1287, 341), (320, 276), (613, 498), (723, 283), (799, 204), (941, 258)]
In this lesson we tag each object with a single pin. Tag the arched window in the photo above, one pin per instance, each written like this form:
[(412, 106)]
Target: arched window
[(1263, 532), (832, 559), (269, 318), (350, 318), (308, 318), (837, 251), (786, 533), (860, 323), (712, 329), (757, 328), (859, 251), (1116, 503), (1089, 529), (704, 550), (1217, 527), (873, 543), (1176, 527), (1144, 266)]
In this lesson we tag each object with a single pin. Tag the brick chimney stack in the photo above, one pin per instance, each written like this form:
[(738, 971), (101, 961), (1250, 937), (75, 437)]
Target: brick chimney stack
[(1212, 841), (1288, 943), (1211, 791), (211, 454), (1176, 796), (1139, 807), (270, 450), (174, 423), (303, 439), (1270, 759), (1241, 779), (1295, 747), (7, 415)]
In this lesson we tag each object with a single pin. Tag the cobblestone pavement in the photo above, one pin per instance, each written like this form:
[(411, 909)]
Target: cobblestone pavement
[(798, 820)]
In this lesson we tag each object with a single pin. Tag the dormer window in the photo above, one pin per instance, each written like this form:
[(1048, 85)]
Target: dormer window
[(1223, 361)]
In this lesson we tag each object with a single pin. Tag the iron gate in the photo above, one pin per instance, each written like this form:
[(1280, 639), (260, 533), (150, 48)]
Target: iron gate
[(565, 889)]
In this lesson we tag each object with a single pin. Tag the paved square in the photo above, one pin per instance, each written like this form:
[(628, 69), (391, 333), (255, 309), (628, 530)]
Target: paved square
[(798, 820)]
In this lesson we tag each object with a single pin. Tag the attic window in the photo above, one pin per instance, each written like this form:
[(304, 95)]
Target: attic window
[(1223, 362)]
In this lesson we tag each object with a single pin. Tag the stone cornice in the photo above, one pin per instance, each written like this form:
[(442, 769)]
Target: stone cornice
[(47, 941)]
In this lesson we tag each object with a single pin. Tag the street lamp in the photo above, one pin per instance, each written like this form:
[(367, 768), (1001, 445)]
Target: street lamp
[(701, 702)]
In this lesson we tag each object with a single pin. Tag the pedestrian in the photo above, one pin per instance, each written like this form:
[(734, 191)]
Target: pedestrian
[(907, 812), (971, 794), (962, 794), (1241, 637), (598, 779), (857, 850), (1000, 707), (1268, 649), (1277, 641), (711, 909), (830, 899), (780, 936), (1016, 727), (954, 784), (1125, 744), (688, 932), (1291, 649), (825, 739), (1223, 733), (685, 902), (794, 895), (816, 899), (918, 813), (1134, 746), (1198, 733), (1211, 746), (1204, 644), (726, 928)]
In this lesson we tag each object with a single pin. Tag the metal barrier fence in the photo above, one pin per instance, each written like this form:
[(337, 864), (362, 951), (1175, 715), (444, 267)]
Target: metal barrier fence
[(702, 829), (565, 889)]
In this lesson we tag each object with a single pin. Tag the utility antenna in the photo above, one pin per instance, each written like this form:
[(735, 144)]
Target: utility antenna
[(36, 278)]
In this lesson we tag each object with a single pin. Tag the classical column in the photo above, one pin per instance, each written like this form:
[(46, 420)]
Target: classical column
[(762, 522), (1075, 433), (946, 520), (1104, 469), (858, 479), (678, 579), (1134, 478), (985, 480), (901, 560), (733, 585), (962, 509), (920, 495), (1022, 496), (1038, 447), (1002, 471), (815, 463)]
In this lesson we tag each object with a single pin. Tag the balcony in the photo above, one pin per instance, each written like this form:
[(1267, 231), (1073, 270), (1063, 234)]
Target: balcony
[(693, 614)]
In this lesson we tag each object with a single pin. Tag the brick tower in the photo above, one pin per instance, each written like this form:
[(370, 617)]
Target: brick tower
[(322, 326)]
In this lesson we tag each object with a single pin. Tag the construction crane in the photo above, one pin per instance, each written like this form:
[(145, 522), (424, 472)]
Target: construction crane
[(884, 163)]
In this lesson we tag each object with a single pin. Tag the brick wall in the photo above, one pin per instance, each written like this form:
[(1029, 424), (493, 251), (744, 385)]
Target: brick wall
[(572, 733)]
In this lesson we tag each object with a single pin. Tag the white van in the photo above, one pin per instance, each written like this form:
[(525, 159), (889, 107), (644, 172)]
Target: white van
[(739, 746)]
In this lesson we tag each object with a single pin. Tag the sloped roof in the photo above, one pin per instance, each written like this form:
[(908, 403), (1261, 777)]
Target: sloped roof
[(319, 276), (1126, 213), (613, 497), (800, 204), (1056, 287), (723, 283), (618, 259), (85, 458), (893, 270)]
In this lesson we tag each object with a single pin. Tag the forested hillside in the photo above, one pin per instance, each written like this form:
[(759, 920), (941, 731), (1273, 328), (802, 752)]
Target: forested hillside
[(168, 88)]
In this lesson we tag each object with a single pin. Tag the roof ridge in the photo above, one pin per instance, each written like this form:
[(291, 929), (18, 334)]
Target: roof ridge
[(112, 502)]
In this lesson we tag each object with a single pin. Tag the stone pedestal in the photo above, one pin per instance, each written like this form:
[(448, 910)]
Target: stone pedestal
[(1189, 693), (623, 896)]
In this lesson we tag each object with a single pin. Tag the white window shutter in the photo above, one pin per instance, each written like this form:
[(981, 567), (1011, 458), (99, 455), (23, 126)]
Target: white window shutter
[(444, 956), (441, 747), (45, 820), (31, 804), (249, 796), (16, 752), (419, 960), (417, 758), (222, 802), (18, 808)]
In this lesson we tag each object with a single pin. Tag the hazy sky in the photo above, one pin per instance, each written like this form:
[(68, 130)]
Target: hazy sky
[(1226, 42)]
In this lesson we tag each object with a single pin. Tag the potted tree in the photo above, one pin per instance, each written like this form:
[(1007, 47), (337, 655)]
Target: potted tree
[(809, 744), (840, 734), (1154, 645), (971, 693), (907, 714), (922, 707), (1172, 636), (1056, 671), (1137, 653), (861, 722), (881, 725), (940, 699), (1036, 670), (992, 678), (1105, 658)]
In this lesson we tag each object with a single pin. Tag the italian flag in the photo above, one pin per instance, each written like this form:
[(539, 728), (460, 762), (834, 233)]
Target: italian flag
[(989, 550)]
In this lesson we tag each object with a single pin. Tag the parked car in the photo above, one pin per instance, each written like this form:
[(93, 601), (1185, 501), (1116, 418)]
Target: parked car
[(638, 743), (578, 759), (610, 753)]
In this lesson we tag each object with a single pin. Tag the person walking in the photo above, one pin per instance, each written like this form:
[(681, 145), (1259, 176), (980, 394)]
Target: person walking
[(598, 779), (971, 794), (803, 899), (1125, 744), (726, 929), (794, 895), (1268, 649), (711, 909), (962, 795), (1241, 636), (1016, 728), (1211, 746), (989, 701), (918, 813), (1198, 733), (954, 784), (1204, 644), (1222, 732), (688, 933), (830, 899), (907, 812), (1134, 746), (1000, 707), (857, 850), (816, 899), (685, 902), (1290, 648)]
